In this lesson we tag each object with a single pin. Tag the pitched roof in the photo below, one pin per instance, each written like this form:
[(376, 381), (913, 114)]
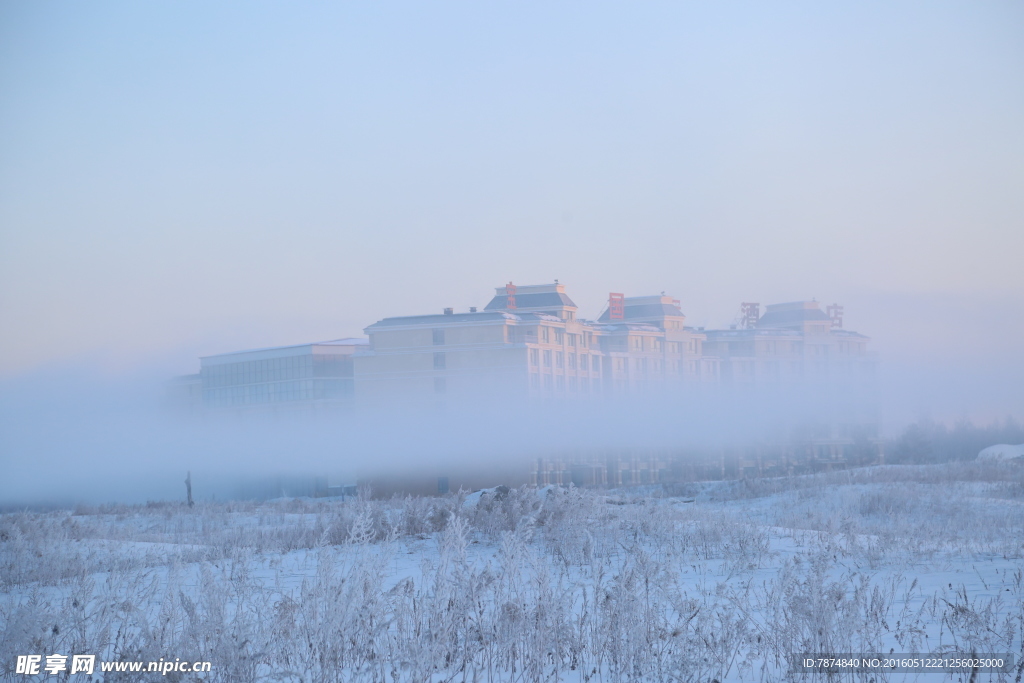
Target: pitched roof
[(440, 319), (789, 318), (645, 311), (538, 300), (621, 326), (480, 316)]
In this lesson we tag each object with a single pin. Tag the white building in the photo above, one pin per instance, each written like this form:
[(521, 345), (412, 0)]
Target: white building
[(306, 375)]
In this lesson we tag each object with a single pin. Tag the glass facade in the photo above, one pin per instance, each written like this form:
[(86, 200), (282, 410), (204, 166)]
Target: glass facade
[(297, 377)]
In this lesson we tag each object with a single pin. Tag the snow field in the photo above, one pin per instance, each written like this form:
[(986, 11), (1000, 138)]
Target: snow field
[(689, 582)]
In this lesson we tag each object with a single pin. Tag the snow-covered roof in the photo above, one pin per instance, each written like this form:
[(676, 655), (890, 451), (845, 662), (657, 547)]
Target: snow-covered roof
[(292, 349), (462, 318), (1002, 452)]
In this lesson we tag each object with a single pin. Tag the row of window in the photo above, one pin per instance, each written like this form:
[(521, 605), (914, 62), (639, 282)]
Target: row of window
[(276, 370), (561, 360), (584, 340), (547, 334), (656, 345), (561, 337), (278, 392), (655, 365), (777, 346)]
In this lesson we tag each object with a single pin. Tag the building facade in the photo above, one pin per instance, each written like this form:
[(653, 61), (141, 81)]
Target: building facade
[(790, 343), (318, 375), (529, 341)]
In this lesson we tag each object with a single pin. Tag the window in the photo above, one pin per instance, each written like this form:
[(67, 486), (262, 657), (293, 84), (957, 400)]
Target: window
[(559, 383), (572, 361), (439, 360), (584, 363), (438, 337), (440, 385), (534, 380), (656, 344), (559, 337), (638, 343), (572, 384), (534, 357), (547, 359), (547, 382), (559, 359), (595, 363), (572, 340), (545, 334)]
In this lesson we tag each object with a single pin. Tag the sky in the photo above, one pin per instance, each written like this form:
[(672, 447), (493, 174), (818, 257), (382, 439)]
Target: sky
[(181, 178)]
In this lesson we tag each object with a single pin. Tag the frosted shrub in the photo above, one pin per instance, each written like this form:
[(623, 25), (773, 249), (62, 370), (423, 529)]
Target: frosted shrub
[(503, 509), (566, 521)]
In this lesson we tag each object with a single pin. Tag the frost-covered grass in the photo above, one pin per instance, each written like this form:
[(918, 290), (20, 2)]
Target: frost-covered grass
[(698, 582)]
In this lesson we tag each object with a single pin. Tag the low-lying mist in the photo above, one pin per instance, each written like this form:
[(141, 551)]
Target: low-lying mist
[(67, 438)]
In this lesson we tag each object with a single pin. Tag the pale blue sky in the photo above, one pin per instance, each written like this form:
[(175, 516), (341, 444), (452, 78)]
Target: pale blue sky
[(185, 178)]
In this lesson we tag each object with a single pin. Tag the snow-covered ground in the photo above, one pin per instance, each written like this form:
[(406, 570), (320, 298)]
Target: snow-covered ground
[(694, 582)]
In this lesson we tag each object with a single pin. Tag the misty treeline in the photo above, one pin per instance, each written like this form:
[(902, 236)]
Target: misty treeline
[(930, 441), (720, 582)]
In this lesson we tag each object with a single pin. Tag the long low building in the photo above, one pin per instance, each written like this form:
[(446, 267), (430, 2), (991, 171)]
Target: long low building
[(299, 377)]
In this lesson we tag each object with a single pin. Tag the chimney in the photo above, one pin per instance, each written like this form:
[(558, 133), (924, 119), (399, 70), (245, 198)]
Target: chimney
[(449, 311), (616, 306), (472, 309)]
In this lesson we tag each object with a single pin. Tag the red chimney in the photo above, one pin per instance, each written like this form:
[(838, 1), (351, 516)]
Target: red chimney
[(616, 306)]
